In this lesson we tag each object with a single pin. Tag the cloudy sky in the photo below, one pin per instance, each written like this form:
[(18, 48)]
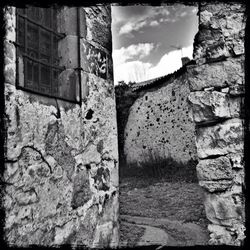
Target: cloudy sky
[(143, 37)]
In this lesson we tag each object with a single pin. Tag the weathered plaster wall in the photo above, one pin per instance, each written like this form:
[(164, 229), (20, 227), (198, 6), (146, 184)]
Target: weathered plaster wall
[(217, 95), (159, 124), (62, 158)]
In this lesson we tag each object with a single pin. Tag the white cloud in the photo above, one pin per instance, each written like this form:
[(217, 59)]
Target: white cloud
[(183, 14), (170, 62), (194, 10), (134, 51), (134, 71), (148, 19), (154, 23), (138, 71), (161, 10), (132, 26)]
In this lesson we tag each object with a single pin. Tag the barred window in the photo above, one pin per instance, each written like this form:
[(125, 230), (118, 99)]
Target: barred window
[(37, 40)]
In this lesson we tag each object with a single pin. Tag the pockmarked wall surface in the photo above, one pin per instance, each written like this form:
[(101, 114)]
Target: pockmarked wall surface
[(61, 164), (217, 94), (159, 124)]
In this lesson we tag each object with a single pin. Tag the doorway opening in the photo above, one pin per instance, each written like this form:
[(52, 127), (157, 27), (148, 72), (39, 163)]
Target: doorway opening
[(161, 202)]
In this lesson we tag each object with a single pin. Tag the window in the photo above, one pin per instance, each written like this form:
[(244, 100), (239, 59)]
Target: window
[(37, 53)]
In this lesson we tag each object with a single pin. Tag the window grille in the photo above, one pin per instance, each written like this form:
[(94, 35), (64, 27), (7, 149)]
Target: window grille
[(37, 40)]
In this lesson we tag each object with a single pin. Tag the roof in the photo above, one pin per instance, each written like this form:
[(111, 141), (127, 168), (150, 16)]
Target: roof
[(157, 81), (139, 85)]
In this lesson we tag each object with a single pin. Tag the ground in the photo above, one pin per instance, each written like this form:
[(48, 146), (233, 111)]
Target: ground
[(161, 211)]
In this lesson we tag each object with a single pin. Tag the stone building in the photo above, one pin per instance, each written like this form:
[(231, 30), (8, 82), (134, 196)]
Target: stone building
[(159, 124), (61, 157), (60, 119)]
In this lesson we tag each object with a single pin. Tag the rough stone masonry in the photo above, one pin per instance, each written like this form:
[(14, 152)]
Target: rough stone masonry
[(62, 159), (217, 95)]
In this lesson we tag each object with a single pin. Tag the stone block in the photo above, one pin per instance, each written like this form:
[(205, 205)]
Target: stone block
[(10, 73), (209, 106), (237, 160), (27, 197), (91, 155), (10, 18), (85, 233), (9, 62), (237, 90), (222, 9), (210, 44), (63, 233), (56, 145), (83, 24), (219, 235), (230, 22), (235, 44), (221, 32), (216, 186), (9, 52), (215, 169), (69, 85), (67, 21), (221, 209), (221, 74), (94, 60), (25, 213), (98, 22), (85, 87), (81, 188), (68, 52), (216, 52), (239, 177), (220, 139), (102, 179)]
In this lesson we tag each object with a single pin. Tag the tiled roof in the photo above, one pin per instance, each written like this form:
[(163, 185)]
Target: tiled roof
[(139, 85), (157, 81)]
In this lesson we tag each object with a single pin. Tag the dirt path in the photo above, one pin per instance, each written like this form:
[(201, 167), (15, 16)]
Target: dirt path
[(151, 236), (162, 213), (155, 236), (163, 231)]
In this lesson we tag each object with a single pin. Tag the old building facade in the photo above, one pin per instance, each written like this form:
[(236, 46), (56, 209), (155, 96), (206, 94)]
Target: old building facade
[(61, 149), (159, 124)]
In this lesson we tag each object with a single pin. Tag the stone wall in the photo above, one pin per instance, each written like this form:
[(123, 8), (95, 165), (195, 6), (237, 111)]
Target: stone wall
[(159, 125), (125, 98), (61, 158), (217, 96), (61, 170)]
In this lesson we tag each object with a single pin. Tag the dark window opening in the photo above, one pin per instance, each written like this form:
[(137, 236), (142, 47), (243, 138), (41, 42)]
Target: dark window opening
[(37, 52)]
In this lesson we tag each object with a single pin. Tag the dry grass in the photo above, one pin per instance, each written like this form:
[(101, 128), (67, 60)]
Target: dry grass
[(180, 201), (162, 188), (161, 168)]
